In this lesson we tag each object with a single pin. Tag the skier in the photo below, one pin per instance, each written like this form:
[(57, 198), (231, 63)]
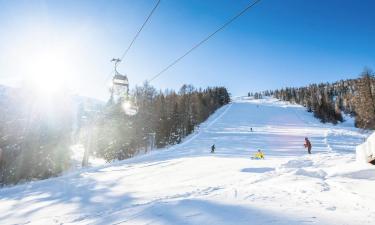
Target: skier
[(258, 155), (251, 129), (213, 148), (308, 145)]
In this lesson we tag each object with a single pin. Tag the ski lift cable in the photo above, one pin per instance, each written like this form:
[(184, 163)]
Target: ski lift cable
[(135, 37), (204, 40), (139, 31)]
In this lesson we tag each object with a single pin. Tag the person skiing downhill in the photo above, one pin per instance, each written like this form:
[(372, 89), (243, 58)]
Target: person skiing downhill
[(213, 148), (308, 145)]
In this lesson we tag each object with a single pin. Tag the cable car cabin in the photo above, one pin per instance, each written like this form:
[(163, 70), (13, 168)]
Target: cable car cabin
[(120, 85)]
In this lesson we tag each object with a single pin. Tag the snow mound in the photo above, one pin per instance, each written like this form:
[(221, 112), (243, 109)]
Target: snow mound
[(366, 174), (297, 164), (366, 151), (321, 174)]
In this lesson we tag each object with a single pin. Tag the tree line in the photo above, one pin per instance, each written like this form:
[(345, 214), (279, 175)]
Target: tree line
[(327, 101), (163, 118), (36, 133)]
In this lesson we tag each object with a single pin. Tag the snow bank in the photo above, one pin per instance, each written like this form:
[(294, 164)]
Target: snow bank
[(314, 174), (366, 151), (297, 163)]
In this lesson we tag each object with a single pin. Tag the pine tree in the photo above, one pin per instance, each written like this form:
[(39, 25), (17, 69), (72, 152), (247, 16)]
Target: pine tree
[(365, 100)]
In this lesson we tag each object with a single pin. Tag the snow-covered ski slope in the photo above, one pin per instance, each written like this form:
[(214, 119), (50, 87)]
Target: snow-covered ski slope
[(185, 184)]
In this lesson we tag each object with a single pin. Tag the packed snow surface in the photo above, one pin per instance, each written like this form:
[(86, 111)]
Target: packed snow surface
[(185, 184)]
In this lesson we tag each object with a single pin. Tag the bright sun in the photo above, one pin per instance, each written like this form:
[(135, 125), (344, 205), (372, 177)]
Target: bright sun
[(48, 72), (46, 60)]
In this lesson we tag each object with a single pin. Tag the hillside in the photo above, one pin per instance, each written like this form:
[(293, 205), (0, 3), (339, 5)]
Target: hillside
[(185, 184)]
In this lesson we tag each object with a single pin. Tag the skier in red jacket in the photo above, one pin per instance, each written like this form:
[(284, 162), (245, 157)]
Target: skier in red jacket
[(308, 145)]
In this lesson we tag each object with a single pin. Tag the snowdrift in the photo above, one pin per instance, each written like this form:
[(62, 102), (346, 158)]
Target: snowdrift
[(366, 151)]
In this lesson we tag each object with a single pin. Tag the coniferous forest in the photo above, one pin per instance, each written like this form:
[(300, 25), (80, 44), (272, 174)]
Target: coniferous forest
[(36, 134), (163, 118), (328, 101)]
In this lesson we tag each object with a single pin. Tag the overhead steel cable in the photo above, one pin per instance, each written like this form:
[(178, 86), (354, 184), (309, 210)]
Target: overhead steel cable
[(135, 37), (205, 39), (139, 31)]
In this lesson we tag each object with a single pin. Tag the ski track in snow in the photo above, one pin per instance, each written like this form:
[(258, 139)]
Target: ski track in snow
[(185, 184)]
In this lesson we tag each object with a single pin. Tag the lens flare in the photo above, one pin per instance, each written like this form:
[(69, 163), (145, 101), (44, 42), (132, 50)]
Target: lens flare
[(129, 109)]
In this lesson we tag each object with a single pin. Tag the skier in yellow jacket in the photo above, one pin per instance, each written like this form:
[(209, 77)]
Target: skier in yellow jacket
[(258, 155)]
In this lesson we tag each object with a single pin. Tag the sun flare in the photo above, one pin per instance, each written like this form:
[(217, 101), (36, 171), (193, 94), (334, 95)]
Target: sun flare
[(49, 71), (46, 59)]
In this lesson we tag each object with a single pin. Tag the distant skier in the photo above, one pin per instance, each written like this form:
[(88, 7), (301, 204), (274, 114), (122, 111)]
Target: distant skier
[(213, 148), (258, 155), (251, 129), (308, 145)]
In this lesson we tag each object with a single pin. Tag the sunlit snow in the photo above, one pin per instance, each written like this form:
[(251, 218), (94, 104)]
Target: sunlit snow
[(186, 184)]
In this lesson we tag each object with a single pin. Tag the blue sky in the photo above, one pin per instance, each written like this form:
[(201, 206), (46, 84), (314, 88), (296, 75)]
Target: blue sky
[(276, 44)]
